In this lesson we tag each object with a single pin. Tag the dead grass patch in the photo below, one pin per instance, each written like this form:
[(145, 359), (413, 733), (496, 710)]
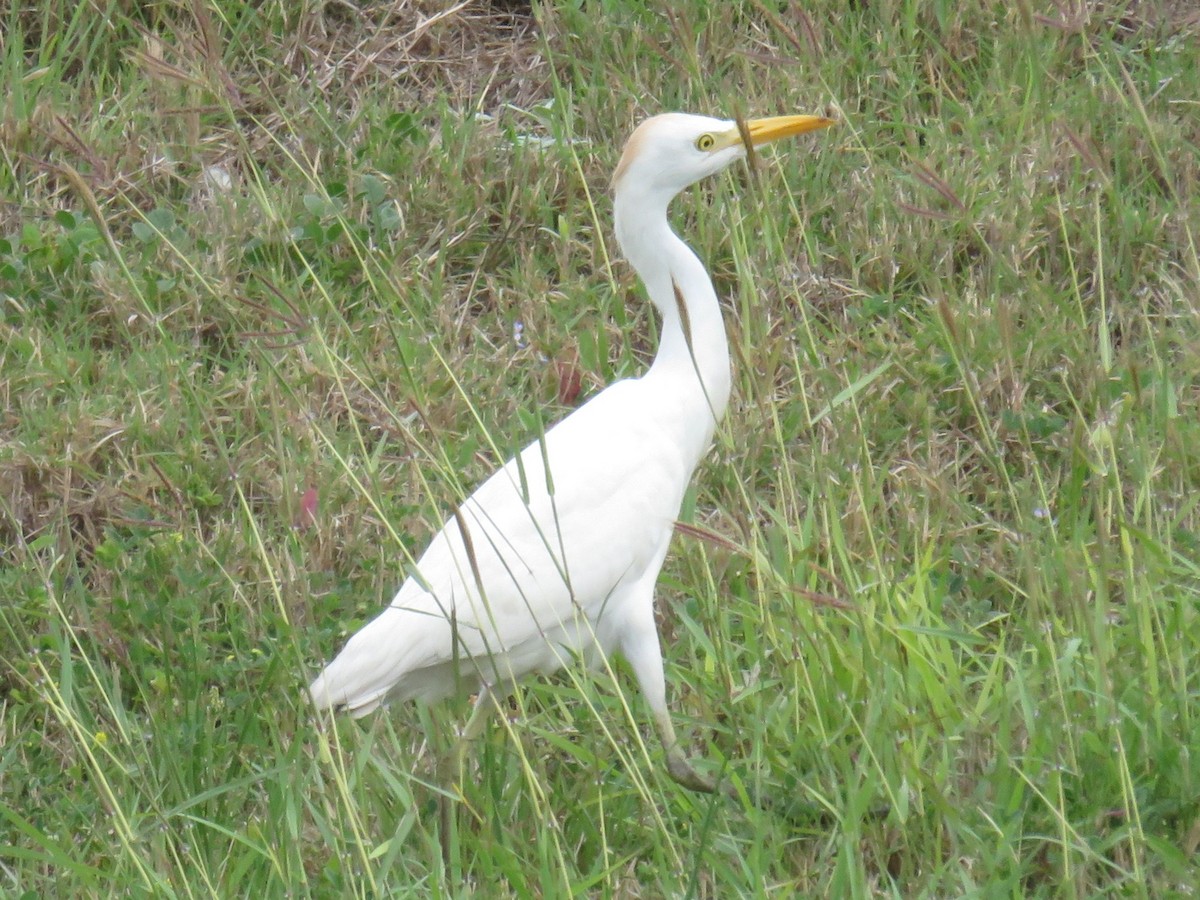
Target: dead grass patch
[(468, 54)]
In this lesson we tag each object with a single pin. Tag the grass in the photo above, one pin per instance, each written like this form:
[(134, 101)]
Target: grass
[(263, 269)]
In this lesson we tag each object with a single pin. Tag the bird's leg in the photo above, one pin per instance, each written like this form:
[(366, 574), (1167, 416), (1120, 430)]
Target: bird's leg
[(644, 655), (678, 767), (482, 708), (682, 772), (481, 711)]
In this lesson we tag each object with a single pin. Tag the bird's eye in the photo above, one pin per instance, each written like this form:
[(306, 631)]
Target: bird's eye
[(705, 142)]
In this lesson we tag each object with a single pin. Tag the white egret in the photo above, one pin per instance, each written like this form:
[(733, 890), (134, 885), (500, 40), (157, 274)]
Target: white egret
[(555, 556)]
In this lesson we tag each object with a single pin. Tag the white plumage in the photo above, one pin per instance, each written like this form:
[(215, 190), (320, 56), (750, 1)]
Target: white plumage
[(564, 543)]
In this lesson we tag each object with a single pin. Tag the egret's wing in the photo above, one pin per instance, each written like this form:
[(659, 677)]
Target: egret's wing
[(549, 538)]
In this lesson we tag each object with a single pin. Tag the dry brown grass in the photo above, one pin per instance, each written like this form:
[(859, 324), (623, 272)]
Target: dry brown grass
[(470, 55)]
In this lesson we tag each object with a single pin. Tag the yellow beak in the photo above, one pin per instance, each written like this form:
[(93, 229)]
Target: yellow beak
[(763, 131)]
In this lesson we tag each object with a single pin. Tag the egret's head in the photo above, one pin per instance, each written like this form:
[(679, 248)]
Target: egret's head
[(666, 153)]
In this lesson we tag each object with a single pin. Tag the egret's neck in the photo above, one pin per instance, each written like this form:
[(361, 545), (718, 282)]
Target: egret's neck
[(692, 362)]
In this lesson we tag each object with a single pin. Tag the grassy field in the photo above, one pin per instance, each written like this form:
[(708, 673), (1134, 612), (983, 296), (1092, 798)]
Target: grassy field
[(282, 281)]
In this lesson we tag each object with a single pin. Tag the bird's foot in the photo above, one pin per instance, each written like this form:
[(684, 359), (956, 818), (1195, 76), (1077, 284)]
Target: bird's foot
[(683, 773), (800, 813)]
